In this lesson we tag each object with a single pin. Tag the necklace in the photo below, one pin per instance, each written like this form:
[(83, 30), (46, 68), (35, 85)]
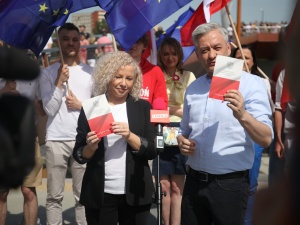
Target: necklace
[(175, 77)]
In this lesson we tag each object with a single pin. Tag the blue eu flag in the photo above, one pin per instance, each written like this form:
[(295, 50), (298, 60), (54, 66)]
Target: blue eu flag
[(84, 4), (28, 24), (174, 31), (131, 19)]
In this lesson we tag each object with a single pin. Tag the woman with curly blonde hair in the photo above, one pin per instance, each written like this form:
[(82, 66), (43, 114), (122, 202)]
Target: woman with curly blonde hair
[(117, 185), (106, 69)]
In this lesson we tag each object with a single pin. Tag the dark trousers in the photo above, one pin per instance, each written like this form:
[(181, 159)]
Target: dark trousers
[(115, 209), (276, 165), (220, 201)]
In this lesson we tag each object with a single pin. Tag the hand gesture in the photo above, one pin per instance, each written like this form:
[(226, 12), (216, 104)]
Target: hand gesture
[(186, 146), (121, 128), (279, 149), (62, 75), (236, 103), (72, 102), (10, 87), (92, 140)]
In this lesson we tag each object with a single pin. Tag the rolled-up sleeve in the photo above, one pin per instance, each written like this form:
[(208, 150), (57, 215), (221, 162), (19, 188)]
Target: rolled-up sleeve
[(279, 86), (257, 101)]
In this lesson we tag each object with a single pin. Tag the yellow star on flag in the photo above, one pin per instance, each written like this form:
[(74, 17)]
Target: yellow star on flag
[(55, 12), (43, 8), (66, 12)]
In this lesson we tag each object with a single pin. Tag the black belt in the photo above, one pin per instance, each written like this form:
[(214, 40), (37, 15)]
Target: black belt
[(207, 177)]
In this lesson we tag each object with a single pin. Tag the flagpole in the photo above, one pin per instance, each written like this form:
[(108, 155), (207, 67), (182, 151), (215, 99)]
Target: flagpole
[(114, 43), (153, 54), (238, 24), (236, 36), (45, 60), (61, 58)]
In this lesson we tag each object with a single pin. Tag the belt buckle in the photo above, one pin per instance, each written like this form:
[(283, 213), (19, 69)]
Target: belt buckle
[(206, 176)]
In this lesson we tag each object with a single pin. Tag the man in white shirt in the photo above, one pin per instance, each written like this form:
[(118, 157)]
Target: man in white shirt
[(63, 88)]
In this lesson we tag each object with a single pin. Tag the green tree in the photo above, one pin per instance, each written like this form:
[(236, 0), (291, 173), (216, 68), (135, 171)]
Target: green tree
[(100, 27)]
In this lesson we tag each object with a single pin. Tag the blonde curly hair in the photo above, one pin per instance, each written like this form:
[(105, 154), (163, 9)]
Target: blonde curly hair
[(107, 67)]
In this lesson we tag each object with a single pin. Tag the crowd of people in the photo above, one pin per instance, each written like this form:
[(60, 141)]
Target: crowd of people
[(259, 27), (208, 172), (92, 47)]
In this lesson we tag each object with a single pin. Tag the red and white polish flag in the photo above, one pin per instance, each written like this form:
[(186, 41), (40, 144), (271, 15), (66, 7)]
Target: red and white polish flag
[(201, 15), (226, 76), (99, 115)]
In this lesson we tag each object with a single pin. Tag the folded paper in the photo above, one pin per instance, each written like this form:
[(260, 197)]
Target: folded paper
[(98, 114)]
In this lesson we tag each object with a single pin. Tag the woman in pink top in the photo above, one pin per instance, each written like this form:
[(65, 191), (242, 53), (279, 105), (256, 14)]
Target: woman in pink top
[(83, 51)]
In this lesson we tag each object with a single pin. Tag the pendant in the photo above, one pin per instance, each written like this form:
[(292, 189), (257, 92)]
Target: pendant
[(175, 77)]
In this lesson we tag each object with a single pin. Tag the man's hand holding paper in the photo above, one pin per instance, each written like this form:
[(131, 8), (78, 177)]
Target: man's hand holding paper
[(236, 103)]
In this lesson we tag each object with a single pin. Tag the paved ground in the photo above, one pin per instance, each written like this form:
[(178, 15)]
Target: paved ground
[(15, 201)]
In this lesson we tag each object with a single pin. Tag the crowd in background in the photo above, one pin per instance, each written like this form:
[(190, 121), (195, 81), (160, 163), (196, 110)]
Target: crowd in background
[(167, 81), (259, 27)]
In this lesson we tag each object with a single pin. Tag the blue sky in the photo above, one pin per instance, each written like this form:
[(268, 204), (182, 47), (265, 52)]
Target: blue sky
[(269, 10)]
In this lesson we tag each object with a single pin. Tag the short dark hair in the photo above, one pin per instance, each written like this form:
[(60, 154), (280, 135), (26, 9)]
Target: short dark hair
[(68, 26), (145, 40), (254, 69)]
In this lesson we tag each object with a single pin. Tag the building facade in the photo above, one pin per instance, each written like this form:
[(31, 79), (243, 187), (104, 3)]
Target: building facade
[(88, 19)]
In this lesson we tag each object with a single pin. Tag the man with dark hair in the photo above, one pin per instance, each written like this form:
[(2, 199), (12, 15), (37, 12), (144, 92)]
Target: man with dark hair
[(63, 88)]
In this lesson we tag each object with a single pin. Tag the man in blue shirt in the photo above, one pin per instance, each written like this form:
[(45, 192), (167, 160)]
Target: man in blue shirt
[(217, 136)]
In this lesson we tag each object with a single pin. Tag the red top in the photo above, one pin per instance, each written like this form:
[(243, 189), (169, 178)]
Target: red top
[(154, 84), (285, 95)]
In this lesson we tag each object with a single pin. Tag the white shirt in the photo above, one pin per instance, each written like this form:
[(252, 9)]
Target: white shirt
[(279, 86), (62, 122), (115, 155), (28, 89)]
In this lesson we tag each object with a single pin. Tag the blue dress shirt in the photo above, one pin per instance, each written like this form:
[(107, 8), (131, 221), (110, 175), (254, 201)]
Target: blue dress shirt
[(222, 144)]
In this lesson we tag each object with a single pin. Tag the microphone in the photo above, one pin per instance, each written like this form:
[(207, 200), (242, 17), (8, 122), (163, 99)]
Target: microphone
[(159, 115)]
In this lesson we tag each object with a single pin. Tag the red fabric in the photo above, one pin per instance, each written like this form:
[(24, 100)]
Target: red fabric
[(292, 24), (186, 31), (217, 5), (154, 84), (279, 66), (285, 96), (198, 18)]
